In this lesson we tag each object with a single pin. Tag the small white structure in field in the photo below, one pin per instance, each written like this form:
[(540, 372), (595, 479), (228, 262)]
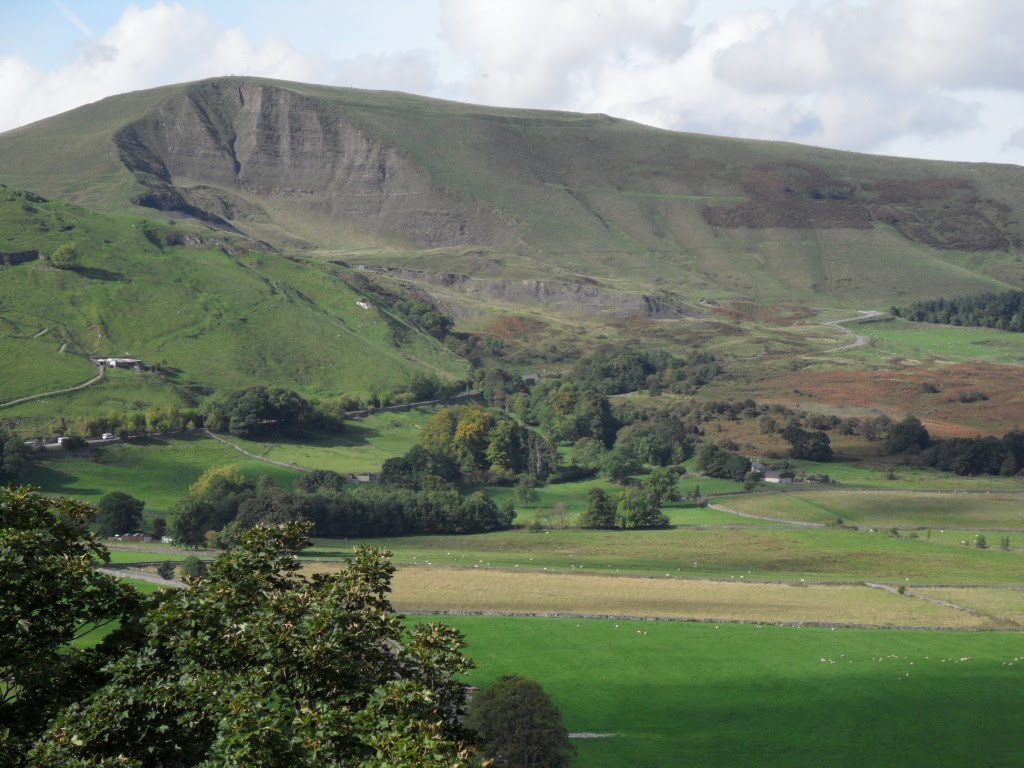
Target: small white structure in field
[(364, 304), (119, 362), (780, 476)]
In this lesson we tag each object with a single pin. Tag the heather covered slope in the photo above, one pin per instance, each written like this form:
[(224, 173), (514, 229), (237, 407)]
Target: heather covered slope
[(498, 194)]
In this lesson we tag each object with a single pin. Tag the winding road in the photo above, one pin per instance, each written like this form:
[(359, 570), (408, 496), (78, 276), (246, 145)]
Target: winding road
[(858, 340)]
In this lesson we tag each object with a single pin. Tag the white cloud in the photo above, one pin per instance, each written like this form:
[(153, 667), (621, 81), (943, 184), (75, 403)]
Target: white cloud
[(1016, 139), (168, 43), (539, 52), (938, 76)]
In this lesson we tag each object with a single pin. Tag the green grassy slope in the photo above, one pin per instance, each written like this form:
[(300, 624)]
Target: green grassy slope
[(218, 316), (514, 194)]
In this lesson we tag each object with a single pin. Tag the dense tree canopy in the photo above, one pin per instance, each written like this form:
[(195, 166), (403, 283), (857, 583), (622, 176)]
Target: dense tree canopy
[(478, 441), (810, 445), (990, 310), (50, 594), (615, 372), (907, 436), (264, 410), (419, 503), (254, 665), (721, 462), (119, 512), (520, 726), (14, 458)]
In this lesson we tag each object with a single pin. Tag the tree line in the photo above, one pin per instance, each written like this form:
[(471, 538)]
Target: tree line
[(988, 455), (1004, 311), (223, 502)]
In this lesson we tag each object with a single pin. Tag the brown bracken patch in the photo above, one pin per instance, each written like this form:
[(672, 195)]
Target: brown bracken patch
[(928, 393), (514, 327)]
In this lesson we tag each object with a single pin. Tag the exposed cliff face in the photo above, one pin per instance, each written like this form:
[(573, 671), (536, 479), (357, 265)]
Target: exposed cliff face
[(273, 143), (580, 298)]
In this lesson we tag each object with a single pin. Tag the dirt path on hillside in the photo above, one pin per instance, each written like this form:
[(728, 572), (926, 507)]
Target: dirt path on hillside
[(102, 372)]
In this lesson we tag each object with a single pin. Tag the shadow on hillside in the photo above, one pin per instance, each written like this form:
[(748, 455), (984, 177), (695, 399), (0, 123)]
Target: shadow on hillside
[(95, 273), (353, 436), (57, 481)]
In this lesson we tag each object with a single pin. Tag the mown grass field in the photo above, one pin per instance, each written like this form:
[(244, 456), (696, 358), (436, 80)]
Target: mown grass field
[(156, 470), (791, 555), (737, 696), (460, 589), (990, 603), (887, 509)]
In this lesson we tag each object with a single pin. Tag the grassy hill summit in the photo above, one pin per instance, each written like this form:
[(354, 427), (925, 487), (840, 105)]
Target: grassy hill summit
[(442, 188)]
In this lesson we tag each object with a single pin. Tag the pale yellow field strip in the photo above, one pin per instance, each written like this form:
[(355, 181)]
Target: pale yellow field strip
[(457, 589), (1006, 604)]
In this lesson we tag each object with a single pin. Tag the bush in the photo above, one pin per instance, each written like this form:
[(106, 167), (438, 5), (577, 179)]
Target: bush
[(166, 570), (193, 568)]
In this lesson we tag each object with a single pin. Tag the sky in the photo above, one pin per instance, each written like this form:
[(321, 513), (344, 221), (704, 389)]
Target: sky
[(940, 79)]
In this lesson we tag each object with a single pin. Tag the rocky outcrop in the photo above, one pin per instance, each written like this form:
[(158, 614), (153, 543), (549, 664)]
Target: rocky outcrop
[(570, 298), (272, 143)]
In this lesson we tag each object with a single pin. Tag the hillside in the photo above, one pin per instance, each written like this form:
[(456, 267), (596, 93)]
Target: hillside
[(228, 227), (212, 313), (472, 201)]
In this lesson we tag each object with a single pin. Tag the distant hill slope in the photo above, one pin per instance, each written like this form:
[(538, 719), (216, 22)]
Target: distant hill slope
[(507, 195), (219, 316)]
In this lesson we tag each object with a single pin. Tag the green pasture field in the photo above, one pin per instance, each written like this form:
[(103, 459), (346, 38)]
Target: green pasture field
[(123, 557), (967, 538), (790, 555), (925, 341), (887, 509), (156, 470), (923, 479), (119, 390), (736, 696), (35, 365), (574, 498), (363, 446)]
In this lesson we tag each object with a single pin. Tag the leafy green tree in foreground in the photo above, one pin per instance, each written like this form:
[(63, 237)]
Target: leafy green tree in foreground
[(258, 666), (520, 726), (50, 595)]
